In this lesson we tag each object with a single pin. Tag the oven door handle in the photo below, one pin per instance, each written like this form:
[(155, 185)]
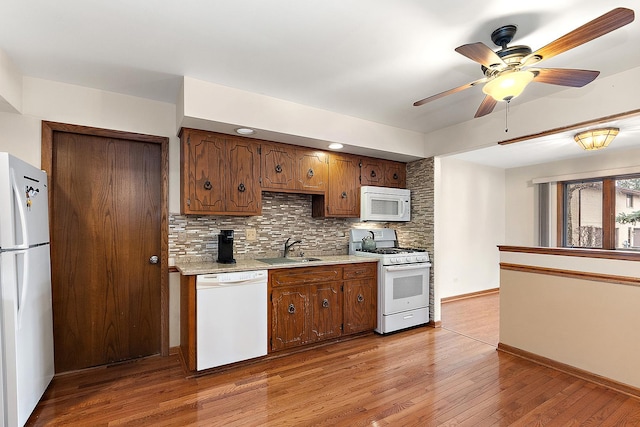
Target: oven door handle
[(407, 267)]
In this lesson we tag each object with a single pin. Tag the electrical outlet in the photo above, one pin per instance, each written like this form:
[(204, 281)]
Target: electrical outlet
[(182, 236), (251, 233)]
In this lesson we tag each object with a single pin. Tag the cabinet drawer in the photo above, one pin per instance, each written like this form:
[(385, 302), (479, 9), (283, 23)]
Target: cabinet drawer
[(358, 271), (304, 275)]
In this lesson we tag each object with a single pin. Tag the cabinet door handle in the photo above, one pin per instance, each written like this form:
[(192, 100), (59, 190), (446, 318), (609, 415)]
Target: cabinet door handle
[(344, 195), (242, 188), (325, 303), (395, 176), (291, 309), (310, 173), (373, 174), (278, 169), (207, 185), (360, 298)]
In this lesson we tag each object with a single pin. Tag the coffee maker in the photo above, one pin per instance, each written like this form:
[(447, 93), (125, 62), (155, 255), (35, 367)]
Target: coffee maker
[(225, 247)]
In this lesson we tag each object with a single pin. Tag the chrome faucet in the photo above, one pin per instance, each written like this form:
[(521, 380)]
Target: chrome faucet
[(287, 246)]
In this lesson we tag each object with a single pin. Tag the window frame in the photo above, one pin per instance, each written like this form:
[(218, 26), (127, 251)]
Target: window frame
[(608, 210)]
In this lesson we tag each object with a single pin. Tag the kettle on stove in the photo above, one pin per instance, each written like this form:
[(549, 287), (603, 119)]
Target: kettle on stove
[(368, 242)]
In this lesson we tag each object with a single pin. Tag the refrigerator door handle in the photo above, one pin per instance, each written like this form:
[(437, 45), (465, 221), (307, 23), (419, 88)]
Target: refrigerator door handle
[(22, 296), (23, 217)]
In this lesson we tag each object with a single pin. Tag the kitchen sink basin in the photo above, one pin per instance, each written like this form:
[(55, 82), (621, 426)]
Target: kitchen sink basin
[(282, 260)]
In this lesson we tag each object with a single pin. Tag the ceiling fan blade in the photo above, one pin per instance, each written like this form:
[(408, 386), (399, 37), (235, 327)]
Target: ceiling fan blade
[(564, 76), (448, 92), (487, 106), (481, 53), (600, 26)]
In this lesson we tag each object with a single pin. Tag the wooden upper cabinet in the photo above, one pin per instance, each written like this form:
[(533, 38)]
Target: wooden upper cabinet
[(278, 167), (244, 196), (312, 171), (372, 172), (291, 169), (382, 173), (220, 174), (343, 193), (395, 174)]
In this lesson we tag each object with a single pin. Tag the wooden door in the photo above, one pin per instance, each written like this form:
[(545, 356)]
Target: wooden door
[(343, 193), (359, 305), (244, 195), (278, 167), (289, 320), (325, 311), (313, 170), (371, 172), (395, 174), (108, 211), (204, 173)]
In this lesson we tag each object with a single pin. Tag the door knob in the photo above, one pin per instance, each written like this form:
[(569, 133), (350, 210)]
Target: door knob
[(154, 259)]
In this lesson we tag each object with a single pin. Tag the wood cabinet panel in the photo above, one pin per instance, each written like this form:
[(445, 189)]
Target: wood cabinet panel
[(395, 174), (289, 320), (372, 172), (359, 271), (304, 275), (312, 171), (279, 165), (203, 157), (243, 170), (325, 311), (342, 198), (359, 305)]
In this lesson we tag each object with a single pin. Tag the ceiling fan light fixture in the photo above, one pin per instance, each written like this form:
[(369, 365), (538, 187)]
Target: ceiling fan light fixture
[(596, 139), (508, 85)]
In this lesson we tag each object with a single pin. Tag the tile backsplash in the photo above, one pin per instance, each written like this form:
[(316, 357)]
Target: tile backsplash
[(283, 216)]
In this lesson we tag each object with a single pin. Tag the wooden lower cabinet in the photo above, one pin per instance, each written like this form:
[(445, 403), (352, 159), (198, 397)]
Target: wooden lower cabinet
[(313, 304), (290, 322)]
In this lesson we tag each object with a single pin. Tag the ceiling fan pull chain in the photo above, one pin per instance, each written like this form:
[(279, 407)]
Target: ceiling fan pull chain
[(506, 117)]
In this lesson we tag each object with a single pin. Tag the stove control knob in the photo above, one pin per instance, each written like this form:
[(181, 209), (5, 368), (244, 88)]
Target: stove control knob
[(422, 258), (393, 260), (411, 259)]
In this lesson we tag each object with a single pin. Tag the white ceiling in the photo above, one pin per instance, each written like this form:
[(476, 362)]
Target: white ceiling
[(364, 58)]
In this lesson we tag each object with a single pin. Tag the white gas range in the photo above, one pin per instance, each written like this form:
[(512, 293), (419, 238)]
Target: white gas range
[(403, 278)]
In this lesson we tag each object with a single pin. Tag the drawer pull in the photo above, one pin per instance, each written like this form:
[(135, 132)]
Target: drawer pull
[(278, 169), (291, 309), (325, 303), (360, 298), (207, 185)]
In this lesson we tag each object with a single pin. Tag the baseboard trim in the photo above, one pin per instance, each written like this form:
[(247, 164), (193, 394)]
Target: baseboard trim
[(435, 324), (469, 295), (571, 370)]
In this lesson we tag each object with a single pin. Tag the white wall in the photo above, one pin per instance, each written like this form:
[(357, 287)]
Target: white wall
[(20, 134), (469, 224), (219, 108)]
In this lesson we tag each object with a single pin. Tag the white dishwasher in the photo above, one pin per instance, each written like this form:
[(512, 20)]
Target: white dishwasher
[(231, 314)]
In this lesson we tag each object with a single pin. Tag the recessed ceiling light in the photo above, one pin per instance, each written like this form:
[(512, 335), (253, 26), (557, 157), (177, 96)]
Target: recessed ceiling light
[(245, 131), (335, 146)]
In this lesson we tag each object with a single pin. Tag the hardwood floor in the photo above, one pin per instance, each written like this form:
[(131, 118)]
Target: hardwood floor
[(418, 377), (477, 317)]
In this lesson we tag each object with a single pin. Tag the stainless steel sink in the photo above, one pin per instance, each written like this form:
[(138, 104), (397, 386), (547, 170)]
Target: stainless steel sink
[(282, 260)]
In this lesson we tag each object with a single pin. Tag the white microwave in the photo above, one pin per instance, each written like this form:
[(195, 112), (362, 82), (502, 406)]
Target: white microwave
[(384, 204)]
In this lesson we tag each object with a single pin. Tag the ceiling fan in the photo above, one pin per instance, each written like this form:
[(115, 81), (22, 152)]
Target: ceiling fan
[(507, 72)]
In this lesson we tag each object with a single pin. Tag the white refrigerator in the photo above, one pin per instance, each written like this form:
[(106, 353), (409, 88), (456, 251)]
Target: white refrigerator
[(26, 321)]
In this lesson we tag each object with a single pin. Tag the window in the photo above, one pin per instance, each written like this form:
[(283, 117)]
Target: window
[(599, 213)]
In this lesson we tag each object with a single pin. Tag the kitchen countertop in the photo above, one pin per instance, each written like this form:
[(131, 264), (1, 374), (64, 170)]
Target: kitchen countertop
[(189, 268)]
